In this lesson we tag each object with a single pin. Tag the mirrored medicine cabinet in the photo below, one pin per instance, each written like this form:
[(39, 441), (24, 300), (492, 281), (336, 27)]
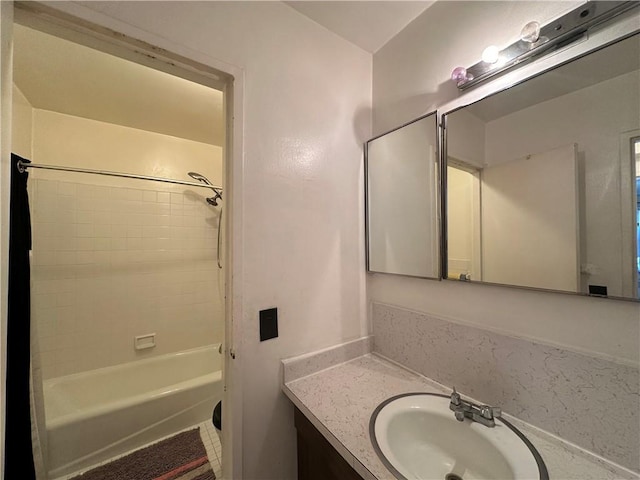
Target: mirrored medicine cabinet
[(401, 170), (540, 184)]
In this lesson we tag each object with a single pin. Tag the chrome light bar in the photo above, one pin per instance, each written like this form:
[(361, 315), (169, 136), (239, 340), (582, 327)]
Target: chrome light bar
[(552, 36)]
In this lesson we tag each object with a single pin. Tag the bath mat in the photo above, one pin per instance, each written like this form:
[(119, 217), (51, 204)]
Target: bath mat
[(181, 457)]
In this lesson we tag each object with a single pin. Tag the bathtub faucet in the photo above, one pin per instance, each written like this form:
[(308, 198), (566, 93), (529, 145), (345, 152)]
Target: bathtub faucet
[(483, 414)]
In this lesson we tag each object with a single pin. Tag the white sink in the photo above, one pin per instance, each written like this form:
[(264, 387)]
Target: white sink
[(418, 437)]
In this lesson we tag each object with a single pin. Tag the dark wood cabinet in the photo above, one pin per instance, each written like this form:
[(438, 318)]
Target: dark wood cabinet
[(317, 459)]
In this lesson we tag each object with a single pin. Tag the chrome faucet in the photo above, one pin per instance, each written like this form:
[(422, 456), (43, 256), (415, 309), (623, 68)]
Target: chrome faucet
[(483, 414)]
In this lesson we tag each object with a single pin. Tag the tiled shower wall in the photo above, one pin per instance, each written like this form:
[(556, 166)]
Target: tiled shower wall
[(109, 263)]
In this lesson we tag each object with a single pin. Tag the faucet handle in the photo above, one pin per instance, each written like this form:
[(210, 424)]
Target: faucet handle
[(490, 412), (455, 397)]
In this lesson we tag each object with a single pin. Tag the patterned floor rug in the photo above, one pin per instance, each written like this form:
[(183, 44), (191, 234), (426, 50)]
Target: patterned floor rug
[(181, 457)]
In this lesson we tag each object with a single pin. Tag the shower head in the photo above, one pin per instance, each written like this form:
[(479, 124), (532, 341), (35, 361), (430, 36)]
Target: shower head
[(201, 178)]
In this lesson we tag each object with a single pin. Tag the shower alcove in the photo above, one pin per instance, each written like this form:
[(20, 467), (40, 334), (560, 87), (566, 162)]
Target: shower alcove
[(118, 258)]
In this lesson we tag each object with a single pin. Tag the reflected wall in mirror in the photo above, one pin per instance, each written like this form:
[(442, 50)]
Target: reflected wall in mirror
[(543, 179), (401, 200)]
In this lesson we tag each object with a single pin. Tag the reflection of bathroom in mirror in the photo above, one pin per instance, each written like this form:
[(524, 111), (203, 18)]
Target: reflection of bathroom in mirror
[(542, 180), (401, 189)]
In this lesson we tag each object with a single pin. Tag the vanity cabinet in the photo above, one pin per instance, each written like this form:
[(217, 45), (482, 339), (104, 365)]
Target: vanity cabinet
[(317, 459)]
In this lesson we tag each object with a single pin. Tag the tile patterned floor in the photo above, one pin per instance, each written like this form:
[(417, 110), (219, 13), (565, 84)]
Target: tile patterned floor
[(211, 441)]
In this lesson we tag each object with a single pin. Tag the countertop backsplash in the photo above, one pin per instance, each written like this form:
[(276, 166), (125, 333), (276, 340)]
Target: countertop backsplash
[(589, 401)]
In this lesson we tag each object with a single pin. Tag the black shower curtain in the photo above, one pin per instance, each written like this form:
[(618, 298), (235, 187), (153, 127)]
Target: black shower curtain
[(18, 453)]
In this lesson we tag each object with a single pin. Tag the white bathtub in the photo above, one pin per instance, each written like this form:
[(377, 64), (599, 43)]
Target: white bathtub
[(93, 416)]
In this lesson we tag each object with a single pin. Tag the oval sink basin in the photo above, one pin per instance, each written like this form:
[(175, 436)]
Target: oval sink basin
[(417, 436)]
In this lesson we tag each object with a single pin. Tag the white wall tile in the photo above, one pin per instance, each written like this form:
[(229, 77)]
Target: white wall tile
[(67, 188), (47, 186), (110, 263), (134, 195), (84, 191), (149, 196)]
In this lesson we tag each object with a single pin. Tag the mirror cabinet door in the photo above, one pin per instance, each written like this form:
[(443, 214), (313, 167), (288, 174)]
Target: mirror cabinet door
[(401, 183), (543, 179)]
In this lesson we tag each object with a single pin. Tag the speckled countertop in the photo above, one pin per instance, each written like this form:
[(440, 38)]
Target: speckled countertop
[(339, 401)]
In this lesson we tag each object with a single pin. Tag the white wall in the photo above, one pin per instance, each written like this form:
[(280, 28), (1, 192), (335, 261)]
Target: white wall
[(22, 120), (115, 258), (470, 147), (307, 96), (411, 77), (67, 140), (411, 73)]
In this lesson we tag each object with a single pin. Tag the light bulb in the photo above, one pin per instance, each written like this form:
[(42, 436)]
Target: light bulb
[(459, 75), (530, 33), (491, 54)]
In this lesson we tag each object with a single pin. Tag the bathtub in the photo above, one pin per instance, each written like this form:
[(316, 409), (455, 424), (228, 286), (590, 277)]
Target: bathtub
[(96, 415)]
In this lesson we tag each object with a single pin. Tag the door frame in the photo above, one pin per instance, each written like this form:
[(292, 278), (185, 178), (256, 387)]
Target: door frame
[(628, 213), (6, 75), (87, 27), (476, 211)]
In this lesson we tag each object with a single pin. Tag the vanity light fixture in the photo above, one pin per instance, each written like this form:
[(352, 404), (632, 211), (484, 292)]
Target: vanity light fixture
[(530, 33), (491, 54), (459, 74), (536, 40)]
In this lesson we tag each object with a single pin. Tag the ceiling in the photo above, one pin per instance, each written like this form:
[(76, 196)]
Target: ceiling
[(65, 77), (367, 24)]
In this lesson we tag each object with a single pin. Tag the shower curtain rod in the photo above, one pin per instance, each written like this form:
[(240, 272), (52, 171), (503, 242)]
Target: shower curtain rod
[(22, 166)]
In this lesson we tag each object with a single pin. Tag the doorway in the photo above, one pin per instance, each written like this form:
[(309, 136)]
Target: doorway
[(126, 272), (464, 242)]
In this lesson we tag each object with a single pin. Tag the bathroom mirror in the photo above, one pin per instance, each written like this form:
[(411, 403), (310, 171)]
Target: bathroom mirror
[(542, 179), (401, 185)]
